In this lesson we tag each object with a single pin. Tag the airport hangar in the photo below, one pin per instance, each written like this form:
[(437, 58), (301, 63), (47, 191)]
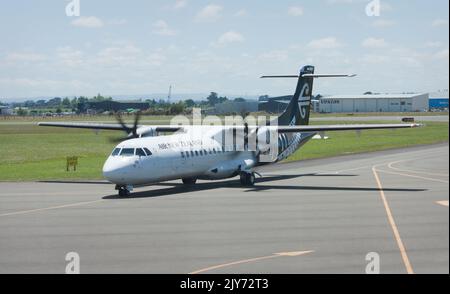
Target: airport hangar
[(372, 103)]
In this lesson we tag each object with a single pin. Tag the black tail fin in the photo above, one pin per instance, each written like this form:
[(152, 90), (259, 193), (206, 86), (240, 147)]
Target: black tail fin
[(297, 111)]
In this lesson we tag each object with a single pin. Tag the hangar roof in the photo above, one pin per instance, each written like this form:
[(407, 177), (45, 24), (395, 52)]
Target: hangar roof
[(375, 96)]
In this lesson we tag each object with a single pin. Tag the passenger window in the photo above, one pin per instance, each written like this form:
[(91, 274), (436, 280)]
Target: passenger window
[(140, 152), (187, 154), (196, 153), (127, 152), (115, 152), (182, 154), (147, 151), (192, 153)]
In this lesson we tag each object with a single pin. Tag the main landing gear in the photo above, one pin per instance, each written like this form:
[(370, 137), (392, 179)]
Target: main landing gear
[(247, 178), (189, 181), (124, 191)]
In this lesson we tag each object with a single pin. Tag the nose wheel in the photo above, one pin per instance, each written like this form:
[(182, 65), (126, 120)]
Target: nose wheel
[(247, 178), (123, 191)]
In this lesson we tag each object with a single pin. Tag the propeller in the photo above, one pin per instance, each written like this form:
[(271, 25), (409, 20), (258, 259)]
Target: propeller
[(131, 131)]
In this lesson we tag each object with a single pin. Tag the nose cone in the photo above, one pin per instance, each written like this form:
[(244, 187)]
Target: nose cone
[(115, 170)]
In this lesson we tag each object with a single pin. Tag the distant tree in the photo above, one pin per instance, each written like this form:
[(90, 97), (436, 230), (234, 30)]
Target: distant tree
[(82, 104), (29, 103), (55, 102), (213, 99), (41, 103), (22, 112), (222, 99), (263, 98), (189, 103), (239, 99), (368, 93), (73, 103), (58, 110), (176, 108), (66, 103)]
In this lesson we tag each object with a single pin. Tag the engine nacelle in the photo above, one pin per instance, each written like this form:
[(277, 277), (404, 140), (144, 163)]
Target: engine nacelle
[(228, 169), (147, 132)]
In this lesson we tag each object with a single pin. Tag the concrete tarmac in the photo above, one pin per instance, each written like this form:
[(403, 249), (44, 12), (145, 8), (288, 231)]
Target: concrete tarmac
[(316, 216)]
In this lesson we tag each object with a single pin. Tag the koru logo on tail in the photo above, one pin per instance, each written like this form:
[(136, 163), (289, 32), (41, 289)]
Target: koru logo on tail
[(305, 93)]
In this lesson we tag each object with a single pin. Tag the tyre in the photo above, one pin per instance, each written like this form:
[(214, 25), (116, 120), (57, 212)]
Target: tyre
[(189, 181)]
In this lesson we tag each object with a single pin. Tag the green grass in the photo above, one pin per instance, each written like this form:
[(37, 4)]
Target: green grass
[(29, 152), (349, 142)]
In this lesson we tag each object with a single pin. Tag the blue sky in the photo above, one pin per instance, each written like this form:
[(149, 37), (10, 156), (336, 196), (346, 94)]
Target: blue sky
[(142, 47)]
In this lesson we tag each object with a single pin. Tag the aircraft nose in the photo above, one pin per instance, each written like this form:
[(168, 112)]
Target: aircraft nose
[(115, 172)]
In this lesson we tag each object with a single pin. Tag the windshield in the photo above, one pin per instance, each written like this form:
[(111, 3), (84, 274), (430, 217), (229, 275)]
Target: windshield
[(115, 152), (127, 152), (131, 152)]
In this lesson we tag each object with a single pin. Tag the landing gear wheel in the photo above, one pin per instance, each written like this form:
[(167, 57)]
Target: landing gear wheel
[(247, 179), (189, 181), (123, 191)]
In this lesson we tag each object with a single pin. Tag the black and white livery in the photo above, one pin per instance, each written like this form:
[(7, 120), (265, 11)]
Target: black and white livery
[(192, 152)]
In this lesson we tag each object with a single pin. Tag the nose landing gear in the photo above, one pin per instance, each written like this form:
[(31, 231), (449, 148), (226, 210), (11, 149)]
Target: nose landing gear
[(247, 178), (124, 191)]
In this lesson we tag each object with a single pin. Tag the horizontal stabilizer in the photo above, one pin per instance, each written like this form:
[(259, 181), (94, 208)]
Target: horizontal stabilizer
[(311, 76)]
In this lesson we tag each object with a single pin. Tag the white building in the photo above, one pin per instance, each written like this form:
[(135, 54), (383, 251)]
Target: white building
[(374, 103)]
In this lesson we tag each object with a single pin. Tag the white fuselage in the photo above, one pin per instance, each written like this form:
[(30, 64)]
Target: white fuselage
[(188, 155)]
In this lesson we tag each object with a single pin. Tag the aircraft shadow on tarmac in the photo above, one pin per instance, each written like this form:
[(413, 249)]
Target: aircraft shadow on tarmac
[(178, 188)]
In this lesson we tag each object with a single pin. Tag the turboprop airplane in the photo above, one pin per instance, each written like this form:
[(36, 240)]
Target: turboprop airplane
[(192, 152)]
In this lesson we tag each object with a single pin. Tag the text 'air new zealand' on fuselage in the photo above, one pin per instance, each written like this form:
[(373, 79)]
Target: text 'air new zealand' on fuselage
[(194, 152)]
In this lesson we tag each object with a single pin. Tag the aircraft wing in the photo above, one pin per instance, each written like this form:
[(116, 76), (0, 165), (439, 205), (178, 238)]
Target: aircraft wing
[(100, 126), (327, 128)]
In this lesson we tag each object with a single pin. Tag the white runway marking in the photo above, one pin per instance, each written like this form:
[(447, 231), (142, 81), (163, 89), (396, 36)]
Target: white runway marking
[(289, 254), (413, 176), (50, 208), (390, 165)]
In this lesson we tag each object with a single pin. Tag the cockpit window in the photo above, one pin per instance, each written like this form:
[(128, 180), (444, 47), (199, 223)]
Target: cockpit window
[(127, 152), (140, 152), (147, 151), (115, 152)]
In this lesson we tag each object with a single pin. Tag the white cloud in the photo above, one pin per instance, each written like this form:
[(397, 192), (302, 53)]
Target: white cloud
[(374, 43), (241, 13), (180, 4), (209, 13), (440, 22), (375, 59), (325, 43), (88, 22), (119, 56), (295, 11), (274, 56), (24, 57), (383, 23), (444, 54), (69, 56), (162, 28), (121, 21), (230, 37), (386, 7), (433, 44)]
